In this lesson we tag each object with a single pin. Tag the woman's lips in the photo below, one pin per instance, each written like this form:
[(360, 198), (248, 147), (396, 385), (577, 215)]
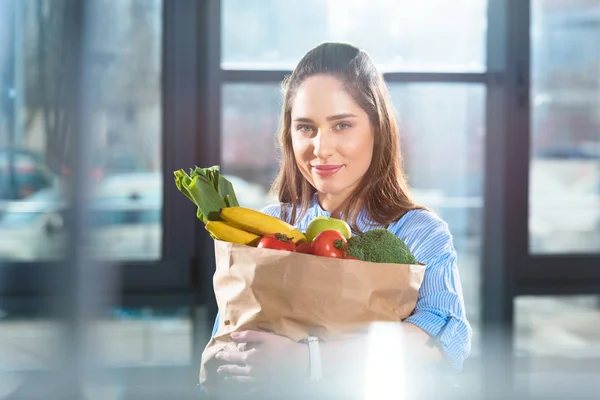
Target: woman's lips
[(326, 170)]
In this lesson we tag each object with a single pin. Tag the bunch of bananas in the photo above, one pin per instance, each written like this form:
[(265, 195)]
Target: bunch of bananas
[(243, 225), (221, 213)]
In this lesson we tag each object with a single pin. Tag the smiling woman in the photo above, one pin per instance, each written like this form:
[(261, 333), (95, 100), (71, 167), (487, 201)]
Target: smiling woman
[(338, 122), (341, 158)]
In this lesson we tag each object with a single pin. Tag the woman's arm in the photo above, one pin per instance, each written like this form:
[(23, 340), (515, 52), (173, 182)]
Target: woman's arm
[(440, 311), (439, 314), (275, 362), (436, 331)]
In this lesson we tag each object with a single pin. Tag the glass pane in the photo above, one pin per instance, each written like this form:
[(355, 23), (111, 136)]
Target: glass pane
[(449, 179), (443, 159), (27, 343), (558, 338), (565, 157), (121, 338), (250, 111), (35, 128), (435, 35), (128, 337)]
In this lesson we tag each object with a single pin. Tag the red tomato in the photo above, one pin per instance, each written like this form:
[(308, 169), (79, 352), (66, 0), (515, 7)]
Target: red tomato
[(330, 244), (304, 247), (277, 241)]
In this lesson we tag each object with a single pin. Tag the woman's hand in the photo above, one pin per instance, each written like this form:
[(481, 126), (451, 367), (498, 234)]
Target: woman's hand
[(268, 358)]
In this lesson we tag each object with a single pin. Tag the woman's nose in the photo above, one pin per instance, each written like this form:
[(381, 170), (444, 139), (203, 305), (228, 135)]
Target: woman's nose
[(323, 144)]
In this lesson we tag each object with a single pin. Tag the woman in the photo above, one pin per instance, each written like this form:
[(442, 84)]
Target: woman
[(341, 159)]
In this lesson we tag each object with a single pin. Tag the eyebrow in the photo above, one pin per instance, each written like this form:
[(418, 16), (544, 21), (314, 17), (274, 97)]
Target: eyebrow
[(330, 118)]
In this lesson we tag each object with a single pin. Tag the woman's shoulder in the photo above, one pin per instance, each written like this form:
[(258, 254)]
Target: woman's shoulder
[(283, 211), (420, 219), (425, 233), (273, 209), (279, 210)]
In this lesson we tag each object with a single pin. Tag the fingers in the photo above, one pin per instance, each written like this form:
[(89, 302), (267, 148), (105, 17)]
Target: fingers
[(235, 357), (249, 336), (241, 379), (241, 374)]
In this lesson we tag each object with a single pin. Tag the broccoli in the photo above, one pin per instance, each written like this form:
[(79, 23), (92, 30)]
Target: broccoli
[(380, 246)]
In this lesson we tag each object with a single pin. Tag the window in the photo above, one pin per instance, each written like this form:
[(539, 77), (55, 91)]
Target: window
[(558, 337), (123, 57), (147, 336), (273, 34), (250, 110), (26, 344), (124, 52), (565, 153)]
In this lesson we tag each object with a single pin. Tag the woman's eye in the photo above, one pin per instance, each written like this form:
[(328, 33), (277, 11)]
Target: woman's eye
[(342, 125), (304, 128)]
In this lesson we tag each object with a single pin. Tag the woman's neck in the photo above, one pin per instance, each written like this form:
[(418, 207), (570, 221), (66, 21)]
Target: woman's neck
[(333, 203)]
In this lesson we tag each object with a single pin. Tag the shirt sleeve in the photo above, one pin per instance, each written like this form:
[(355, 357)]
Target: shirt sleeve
[(216, 325), (440, 309)]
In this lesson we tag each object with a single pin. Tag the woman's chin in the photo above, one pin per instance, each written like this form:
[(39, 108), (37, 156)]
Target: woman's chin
[(325, 188)]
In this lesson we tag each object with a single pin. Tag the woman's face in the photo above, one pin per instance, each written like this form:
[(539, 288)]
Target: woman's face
[(332, 136)]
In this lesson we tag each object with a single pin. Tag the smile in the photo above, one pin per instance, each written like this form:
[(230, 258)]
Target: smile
[(326, 170)]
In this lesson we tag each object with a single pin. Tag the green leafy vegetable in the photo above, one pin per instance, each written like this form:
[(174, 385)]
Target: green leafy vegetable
[(208, 189)]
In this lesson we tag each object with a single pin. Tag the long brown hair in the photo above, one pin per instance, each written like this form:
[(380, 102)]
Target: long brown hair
[(383, 192)]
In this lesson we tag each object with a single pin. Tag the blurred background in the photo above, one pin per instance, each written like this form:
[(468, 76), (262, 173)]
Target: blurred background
[(105, 275)]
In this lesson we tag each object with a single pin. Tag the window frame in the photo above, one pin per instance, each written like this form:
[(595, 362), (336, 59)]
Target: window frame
[(508, 268), (174, 278), (530, 273)]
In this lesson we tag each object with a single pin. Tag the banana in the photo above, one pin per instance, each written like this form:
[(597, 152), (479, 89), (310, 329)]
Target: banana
[(223, 231), (259, 223)]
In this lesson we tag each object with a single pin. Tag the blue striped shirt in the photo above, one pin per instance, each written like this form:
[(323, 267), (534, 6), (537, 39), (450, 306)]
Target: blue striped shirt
[(440, 309)]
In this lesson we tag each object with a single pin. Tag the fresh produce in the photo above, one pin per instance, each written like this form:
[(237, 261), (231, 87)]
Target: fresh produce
[(380, 246), (277, 241), (223, 231), (304, 247), (259, 223), (322, 223), (225, 220), (330, 244), (208, 189), (218, 207)]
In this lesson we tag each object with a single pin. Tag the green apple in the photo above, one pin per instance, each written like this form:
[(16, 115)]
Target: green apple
[(320, 224)]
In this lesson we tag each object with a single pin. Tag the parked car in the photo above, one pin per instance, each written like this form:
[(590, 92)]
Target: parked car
[(22, 173), (32, 229)]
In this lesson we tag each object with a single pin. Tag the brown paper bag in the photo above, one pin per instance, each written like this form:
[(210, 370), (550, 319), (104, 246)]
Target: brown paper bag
[(299, 295)]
